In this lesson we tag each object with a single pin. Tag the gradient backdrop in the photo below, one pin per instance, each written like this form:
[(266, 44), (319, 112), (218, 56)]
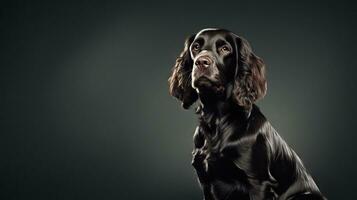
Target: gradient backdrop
[(85, 111)]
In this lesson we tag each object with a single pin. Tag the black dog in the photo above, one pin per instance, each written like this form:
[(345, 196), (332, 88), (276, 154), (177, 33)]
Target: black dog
[(237, 154)]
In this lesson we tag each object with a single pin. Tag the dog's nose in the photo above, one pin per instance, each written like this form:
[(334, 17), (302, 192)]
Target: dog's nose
[(203, 62)]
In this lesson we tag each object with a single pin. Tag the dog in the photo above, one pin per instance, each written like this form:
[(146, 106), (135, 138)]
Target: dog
[(237, 153)]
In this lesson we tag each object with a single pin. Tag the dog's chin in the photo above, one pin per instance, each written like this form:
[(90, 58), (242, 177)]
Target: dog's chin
[(205, 85)]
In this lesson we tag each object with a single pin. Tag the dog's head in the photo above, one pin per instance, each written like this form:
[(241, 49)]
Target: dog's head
[(217, 62)]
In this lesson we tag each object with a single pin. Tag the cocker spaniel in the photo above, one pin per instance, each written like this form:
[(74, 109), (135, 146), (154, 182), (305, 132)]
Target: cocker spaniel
[(237, 153)]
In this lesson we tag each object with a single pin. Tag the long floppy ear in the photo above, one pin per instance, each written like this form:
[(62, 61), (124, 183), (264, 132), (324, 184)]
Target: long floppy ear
[(250, 83), (180, 79)]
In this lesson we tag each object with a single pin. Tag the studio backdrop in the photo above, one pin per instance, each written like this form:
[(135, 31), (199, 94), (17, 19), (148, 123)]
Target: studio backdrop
[(86, 113)]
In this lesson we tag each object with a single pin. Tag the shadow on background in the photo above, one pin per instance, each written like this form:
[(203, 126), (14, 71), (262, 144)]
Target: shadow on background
[(85, 111)]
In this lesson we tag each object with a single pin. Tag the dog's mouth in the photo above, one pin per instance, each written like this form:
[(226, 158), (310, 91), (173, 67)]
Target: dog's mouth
[(202, 81), (205, 84)]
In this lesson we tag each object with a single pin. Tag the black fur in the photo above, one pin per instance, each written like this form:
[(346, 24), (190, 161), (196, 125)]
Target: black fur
[(237, 153)]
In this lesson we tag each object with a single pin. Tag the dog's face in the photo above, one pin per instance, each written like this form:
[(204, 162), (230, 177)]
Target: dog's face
[(218, 62), (213, 53)]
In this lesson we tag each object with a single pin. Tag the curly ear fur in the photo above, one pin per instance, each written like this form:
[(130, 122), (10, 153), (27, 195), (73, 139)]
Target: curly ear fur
[(180, 80), (250, 83)]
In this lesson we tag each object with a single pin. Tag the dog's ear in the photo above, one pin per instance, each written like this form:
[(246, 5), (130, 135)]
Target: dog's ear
[(250, 83), (180, 85)]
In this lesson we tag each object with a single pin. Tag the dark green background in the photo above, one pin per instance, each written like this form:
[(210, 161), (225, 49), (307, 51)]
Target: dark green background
[(85, 111)]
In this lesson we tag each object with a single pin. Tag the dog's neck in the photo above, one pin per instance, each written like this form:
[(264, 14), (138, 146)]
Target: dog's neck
[(218, 106), (216, 114)]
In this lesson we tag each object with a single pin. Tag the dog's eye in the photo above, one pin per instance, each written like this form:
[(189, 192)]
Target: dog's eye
[(225, 49), (196, 47)]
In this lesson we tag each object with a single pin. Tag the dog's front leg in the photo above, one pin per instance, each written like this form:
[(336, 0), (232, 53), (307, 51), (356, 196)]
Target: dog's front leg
[(198, 162)]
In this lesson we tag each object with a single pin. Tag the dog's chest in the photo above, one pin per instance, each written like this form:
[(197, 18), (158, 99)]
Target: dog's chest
[(227, 154), (221, 151), (234, 161), (224, 138)]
